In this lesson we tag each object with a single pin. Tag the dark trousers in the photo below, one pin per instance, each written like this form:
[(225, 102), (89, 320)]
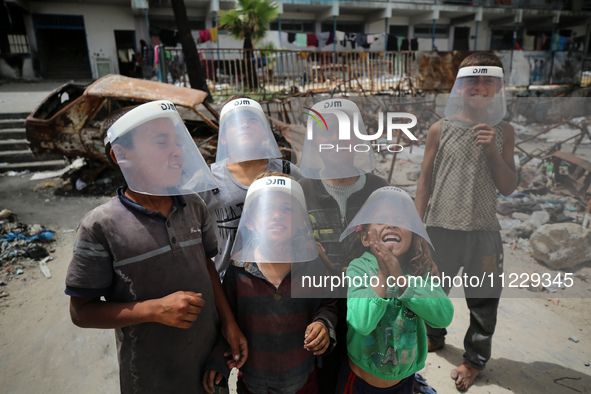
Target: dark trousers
[(349, 383), (481, 254)]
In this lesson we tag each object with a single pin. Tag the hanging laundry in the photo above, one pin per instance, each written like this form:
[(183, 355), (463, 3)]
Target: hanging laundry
[(213, 33), (562, 43), (350, 38), (301, 39), (340, 36), (311, 40), (322, 38), (370, 39), (204, 36), (414, 44), (283, 38), (361, 40), (291, 37), (391, 43), (330, 38), (404, 46)]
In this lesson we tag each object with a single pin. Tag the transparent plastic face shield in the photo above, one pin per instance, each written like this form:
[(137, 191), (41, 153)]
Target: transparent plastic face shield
[(274, 227), (244, 133), (156, 153), (332, 148), (390, 206), (478, 96)]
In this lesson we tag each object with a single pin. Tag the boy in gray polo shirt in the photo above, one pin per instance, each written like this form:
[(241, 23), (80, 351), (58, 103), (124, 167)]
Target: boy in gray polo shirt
[(148, 253)]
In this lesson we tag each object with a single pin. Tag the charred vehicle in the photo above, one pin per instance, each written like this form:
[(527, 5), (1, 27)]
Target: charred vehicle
[(68, 121)]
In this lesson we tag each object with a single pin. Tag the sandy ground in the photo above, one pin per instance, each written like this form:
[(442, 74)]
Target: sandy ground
[(42, 351)]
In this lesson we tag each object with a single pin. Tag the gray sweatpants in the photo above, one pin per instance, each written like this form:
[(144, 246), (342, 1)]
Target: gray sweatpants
[(480, 253)]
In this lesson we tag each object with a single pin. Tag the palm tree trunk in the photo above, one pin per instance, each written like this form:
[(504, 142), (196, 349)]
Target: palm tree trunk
[(250, 67), (194, 68)]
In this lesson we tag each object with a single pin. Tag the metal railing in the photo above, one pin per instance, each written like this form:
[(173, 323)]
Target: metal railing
[(280, 72)]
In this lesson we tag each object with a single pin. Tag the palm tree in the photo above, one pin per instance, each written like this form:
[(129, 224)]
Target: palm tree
[(249, 21)]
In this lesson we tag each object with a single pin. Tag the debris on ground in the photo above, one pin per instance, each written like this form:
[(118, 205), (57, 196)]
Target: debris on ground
[(22, 247)]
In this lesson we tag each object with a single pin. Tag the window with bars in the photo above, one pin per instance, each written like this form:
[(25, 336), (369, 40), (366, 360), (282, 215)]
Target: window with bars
[(18, 44)]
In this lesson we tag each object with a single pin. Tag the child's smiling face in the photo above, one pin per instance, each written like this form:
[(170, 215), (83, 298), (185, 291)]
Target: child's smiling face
[(478, 91), (396, 239)]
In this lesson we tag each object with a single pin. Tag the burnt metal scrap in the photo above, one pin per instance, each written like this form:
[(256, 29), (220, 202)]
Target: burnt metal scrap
[(68, 121)]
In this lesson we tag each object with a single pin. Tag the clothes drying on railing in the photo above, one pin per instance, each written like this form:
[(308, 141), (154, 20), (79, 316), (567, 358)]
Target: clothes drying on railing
[(208, 35)]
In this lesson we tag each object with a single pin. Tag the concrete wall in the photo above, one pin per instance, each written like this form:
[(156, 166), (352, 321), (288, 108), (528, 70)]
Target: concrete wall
[(100, 21)]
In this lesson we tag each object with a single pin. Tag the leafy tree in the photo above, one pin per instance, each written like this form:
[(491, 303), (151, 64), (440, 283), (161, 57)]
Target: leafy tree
[(249, 21)]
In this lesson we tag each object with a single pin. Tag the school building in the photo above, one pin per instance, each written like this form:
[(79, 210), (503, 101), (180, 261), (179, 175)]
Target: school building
[(87, 39)]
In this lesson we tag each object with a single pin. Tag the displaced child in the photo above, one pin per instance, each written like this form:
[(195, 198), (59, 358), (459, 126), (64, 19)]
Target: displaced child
[(284, 333), (246, 149), (337, 183), (386, 339), (148, 252), (468, 157)]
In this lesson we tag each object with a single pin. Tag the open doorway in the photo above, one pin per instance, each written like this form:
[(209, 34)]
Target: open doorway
[(461, 38), (126, 53), (61, 41)]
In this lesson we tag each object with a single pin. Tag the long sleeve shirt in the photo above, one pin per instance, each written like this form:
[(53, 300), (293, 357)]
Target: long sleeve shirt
[(387, 337)]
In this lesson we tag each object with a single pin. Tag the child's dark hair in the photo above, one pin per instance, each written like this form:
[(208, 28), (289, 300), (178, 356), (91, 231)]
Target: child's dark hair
[(419, 255), (481, 59), (125, 140)]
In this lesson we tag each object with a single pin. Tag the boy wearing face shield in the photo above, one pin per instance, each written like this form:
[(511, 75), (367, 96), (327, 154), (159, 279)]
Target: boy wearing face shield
[(468, 157), (148, 252), (284, 332), (246, 149)]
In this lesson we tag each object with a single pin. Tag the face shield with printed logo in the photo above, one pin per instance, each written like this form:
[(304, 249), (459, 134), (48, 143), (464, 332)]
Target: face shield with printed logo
[(478, 96), (274, 227), (336, 144), (245, 133), (156, 153), (393, 207)]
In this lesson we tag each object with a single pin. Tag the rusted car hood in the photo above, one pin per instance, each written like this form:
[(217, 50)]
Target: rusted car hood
[(117, 86)]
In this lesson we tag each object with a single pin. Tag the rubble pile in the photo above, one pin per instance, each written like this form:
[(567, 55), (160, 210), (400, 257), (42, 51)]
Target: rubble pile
[(22, 247)]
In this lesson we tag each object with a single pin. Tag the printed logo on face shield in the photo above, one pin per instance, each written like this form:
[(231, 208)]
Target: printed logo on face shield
[(480, 71), (167, 106), (275, 182), (241, 102), (344, 124)]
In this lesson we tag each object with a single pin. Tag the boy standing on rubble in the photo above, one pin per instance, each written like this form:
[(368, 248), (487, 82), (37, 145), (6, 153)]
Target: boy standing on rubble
[(468, 156)]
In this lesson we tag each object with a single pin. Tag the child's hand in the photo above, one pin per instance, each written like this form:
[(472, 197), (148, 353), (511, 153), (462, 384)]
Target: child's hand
[(486, 138), (238, 346), (316, 339), (209, 377), (387, 262), (179, 309)]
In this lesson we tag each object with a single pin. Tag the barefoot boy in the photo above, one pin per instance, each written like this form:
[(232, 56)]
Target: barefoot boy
[(148, 252), (468, 157)]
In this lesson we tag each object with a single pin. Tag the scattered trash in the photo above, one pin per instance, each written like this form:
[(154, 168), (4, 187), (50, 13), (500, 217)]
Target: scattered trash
[(574, 339), (5, 213), (19, 271), (43, 267), (36, 251), (49, 184), (4, 295), (587, 363), (70, 230)]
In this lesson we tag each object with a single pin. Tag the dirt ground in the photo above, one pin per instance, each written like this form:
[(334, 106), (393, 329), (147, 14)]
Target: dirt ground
[(42, 351)]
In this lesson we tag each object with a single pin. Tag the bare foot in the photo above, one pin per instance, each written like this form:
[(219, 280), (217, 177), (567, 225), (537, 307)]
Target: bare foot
[(464, 376), (433, 348)]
